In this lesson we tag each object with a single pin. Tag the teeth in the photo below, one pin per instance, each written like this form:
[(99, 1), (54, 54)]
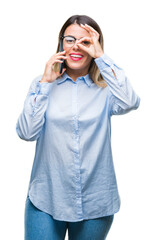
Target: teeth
[(77, 56)]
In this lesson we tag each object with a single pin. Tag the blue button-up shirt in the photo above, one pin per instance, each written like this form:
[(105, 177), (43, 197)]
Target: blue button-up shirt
[(73, 176)]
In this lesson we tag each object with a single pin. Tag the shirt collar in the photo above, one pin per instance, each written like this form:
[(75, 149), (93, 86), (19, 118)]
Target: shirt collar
[(85, 78)]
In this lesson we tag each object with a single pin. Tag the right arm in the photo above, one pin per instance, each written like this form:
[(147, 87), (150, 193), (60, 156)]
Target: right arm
[(32, 118)]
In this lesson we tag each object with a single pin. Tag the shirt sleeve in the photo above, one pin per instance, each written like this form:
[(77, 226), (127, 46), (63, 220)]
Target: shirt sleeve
[(122, 96), (32, 118)]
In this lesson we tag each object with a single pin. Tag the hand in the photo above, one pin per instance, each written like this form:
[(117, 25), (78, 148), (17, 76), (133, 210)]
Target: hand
[(94, 49), (49, 74)]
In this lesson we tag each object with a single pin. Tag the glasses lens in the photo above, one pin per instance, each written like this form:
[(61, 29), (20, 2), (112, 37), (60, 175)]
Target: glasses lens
[(69, 41)]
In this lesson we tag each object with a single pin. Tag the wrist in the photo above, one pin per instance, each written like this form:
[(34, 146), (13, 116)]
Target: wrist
[(43, 80), (99, 54)]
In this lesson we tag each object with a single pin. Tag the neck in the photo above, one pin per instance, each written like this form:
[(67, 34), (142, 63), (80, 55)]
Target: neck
[(74, 74)]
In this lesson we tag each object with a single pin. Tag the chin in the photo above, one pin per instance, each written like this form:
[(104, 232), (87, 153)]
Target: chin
[(77, 66), (74, 67)]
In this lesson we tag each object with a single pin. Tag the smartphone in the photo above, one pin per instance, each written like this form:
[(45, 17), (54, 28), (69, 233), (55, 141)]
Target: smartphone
[(61, 65)]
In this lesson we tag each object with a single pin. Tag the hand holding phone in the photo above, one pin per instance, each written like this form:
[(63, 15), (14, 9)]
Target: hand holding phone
[(49, 74)]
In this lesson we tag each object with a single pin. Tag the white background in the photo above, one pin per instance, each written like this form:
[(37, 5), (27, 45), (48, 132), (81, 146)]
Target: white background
[(29, 33)]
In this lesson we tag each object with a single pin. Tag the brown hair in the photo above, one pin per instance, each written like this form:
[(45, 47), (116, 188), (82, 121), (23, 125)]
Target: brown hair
[(93, 69)]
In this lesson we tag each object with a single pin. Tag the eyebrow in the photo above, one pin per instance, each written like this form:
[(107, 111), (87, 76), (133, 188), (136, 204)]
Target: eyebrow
[(72, 37)]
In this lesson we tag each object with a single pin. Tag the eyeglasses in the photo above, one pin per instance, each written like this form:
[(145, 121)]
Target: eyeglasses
[(69, 41)]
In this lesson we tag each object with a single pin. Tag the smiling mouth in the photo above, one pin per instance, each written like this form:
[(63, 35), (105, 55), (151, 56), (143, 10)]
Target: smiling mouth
[(76, 57)]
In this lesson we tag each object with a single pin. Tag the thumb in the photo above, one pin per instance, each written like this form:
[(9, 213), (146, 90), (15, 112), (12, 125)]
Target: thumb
[(82, 47), (58, 74), (64, 69)]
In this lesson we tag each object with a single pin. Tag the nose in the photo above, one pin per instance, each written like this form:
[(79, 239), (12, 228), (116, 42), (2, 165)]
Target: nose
[(75, 46)]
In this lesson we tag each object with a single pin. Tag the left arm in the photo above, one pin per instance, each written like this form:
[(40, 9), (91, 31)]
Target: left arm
[(122, 96)]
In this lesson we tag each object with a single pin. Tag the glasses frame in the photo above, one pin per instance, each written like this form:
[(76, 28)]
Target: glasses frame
[(62, 37)]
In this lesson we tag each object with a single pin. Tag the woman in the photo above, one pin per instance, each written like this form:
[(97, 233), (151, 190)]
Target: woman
[(73, 184)]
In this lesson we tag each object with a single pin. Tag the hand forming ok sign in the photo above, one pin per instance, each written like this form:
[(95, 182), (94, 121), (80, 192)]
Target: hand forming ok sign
[(94, 49)]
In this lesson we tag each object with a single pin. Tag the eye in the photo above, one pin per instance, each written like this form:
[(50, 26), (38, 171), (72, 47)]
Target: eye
[(69, 39), (86, 43)]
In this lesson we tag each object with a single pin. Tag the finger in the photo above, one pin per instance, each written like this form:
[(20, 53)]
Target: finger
[(64, 69), (83, 26), (90, 29), (62, 52), (59, 57), (59, 74), (82, 47), (52, 59), (85, 39), (56, 54), (59, 61)]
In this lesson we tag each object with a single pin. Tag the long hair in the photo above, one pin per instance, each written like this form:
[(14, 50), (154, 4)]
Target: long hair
[(93, 71)]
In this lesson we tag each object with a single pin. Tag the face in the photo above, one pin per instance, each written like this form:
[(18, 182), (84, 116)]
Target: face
[(83, 59)]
